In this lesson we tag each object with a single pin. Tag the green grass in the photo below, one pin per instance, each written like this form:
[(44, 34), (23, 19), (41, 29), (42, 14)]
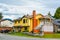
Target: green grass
[(56, 35), (22, 34)]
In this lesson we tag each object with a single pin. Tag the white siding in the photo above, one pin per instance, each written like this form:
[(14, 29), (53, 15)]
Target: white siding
[(7, 23), (48, 27)]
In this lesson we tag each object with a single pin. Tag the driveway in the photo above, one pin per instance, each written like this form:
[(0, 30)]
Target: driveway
[(10, 37)]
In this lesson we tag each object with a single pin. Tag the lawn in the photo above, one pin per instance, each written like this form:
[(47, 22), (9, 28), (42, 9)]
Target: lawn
[(56, 35)]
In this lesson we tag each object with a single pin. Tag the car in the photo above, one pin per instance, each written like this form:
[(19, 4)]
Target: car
[(5, 31)]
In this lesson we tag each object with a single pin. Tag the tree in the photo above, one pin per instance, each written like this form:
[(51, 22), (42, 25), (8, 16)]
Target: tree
[(0, 18), (49, 14), (57, 13)]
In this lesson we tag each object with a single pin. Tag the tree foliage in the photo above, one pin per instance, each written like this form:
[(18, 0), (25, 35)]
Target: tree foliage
[(1, 16), (57, 13), (49, 14)]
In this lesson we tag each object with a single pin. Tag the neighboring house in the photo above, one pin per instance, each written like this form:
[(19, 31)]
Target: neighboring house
[(27, 22), (46, 25), (6, 24), (56, 25)]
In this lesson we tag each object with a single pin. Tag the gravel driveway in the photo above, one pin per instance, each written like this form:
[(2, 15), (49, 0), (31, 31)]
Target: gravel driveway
[(9, 37)]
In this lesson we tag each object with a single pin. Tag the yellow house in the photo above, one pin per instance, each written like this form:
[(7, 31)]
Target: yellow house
[(25, 24)]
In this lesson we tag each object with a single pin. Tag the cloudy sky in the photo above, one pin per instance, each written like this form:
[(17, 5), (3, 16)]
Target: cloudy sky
[(16, 8)]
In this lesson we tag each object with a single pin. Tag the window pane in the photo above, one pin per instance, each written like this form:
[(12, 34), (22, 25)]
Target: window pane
[(15, 21), (23, 20), (59, 27), (26, 20), (18, 21)]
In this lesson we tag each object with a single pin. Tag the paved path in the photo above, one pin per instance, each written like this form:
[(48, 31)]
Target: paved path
[(9, 37)]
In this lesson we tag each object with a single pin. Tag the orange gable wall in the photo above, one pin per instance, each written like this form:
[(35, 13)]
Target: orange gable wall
[(34, 22)]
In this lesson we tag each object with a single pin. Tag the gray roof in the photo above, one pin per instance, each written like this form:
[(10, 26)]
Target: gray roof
[(57, 22), (7, 19)]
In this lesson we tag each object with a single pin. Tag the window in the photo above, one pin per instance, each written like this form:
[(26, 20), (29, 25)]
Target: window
[(59, 27), (15, 21), (25, 28), (18, 21), (24, 20), (47, 20)]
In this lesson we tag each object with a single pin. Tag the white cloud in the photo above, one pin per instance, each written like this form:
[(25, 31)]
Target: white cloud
[(9, 16), (26, 8)]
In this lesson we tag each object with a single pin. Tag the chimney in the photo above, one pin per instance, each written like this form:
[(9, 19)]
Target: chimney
[(34, 14), (34, 22)]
